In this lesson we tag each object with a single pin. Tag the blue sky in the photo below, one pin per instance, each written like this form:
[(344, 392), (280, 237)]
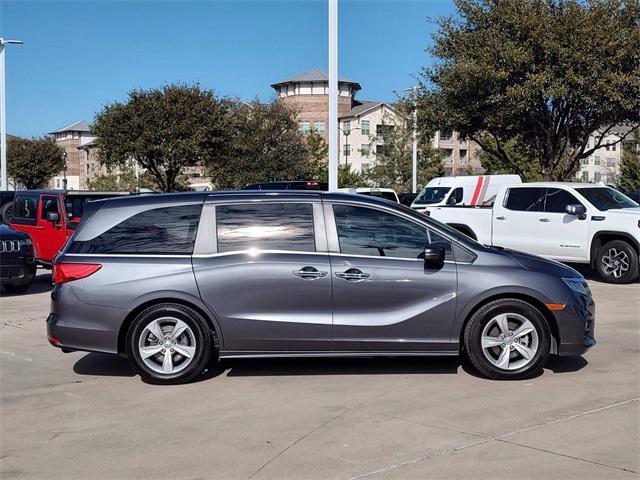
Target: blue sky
[(80, 55)]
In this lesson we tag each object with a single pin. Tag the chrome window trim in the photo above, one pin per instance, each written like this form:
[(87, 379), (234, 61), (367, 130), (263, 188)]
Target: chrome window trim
[(257, 252), (129, 255)]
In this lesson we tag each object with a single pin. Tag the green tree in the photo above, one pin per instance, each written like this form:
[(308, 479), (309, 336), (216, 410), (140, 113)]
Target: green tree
[(520, 164), (393, 167), (630, 168), (265, 146), (165, 129), (123, 180), (31, 162), (544, 73)]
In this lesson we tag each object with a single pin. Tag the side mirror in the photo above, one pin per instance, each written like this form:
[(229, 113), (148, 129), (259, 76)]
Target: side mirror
[(577, 211), (53, 217), (451, 201), (433, 258)]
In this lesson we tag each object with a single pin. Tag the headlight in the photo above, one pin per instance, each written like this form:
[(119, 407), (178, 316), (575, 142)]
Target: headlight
[(25, 242), (580, 285)]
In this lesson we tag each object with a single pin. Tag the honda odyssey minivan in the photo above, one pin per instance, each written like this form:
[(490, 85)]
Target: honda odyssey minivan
[(173, 281)]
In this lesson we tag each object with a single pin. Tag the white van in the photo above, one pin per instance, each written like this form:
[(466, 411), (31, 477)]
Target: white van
[(463, 191)]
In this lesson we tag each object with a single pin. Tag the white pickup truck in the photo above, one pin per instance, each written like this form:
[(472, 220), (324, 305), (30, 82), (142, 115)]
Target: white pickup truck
[(569, 222)]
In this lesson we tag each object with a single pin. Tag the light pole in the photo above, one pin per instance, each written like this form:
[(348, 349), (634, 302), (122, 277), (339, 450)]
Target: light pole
[(64, 171), (333, 95), (3, 114), (414, 151)]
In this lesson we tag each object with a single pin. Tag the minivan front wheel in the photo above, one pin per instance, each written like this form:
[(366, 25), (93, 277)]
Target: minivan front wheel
[(507, 339), (169, 343)]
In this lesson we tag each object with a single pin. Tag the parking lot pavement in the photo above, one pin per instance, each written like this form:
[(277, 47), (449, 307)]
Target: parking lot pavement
[(83, 415)]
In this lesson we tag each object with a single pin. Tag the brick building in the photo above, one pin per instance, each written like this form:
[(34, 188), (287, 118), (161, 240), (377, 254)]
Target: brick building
[(69, 138), (362, 122)]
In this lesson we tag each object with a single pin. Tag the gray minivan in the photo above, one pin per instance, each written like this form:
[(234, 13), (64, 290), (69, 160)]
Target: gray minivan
[(173, 281)]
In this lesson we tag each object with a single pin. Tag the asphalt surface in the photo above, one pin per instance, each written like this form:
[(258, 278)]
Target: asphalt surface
[(81, 416)]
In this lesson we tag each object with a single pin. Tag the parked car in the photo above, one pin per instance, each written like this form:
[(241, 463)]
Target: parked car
[(635, 196), (385, 193), (569, 222), (469, 190), (289, 185), (49, 217), (6, 206), (171, 280), (17, 265), (407, 199)]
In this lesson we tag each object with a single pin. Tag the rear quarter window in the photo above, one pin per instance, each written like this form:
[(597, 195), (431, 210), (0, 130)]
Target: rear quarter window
[(167, 230)]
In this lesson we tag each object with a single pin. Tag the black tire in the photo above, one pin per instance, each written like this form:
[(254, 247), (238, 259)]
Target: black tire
[(16, 288), (484, 315), (5, 213), (604, 260), (199, 329)]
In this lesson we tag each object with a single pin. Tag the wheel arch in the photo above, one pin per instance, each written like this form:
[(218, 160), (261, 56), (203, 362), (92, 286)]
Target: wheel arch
[(538, 304), (126, 323), (604, 236), (464, 229)]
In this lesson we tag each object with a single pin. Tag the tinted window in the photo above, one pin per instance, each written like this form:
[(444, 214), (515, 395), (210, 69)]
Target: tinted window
[(49, 205), (431, 195), (457, 195), (266, 226), (556, 200), (526, 199), (604, 198), (170, 230), (25, 208), (376, 193), (366, 231)]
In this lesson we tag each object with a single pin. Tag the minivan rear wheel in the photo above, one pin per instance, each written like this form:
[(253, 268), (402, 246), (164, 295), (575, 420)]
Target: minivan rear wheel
[(507, 339), (169, 343)]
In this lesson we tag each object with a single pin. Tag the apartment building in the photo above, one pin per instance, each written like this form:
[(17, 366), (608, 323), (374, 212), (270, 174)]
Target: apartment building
[(604, 164), (362, 123), (69, 138), (460, 156)]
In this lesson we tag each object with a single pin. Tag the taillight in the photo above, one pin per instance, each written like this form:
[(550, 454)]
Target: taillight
[(67, 272)]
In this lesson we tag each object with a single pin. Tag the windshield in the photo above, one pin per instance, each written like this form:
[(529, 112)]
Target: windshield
[(431, 195), (377, 193), (605, 198)]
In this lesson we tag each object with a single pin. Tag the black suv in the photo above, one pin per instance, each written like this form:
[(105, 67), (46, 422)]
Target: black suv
[(17, 266)]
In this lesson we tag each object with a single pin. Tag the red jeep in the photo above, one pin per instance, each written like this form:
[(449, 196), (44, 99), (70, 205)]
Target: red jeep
[(50, 216)]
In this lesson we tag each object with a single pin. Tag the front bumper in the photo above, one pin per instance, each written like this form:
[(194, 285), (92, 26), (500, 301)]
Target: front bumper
[(576, 325)]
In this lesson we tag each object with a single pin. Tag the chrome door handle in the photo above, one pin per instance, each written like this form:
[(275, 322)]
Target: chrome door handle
[(501, 218), (309, 273), (353, 274), (544, 220)]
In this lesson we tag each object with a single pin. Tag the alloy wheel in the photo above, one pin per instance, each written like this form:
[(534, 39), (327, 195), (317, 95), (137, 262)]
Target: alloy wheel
[(509, 341), (167, 345), (615, 262)]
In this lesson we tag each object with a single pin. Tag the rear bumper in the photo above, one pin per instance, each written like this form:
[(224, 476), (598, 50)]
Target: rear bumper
[(17, 271), (80, 326)]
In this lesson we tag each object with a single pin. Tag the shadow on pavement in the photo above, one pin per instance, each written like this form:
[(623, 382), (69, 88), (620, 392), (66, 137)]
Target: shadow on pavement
[(98, 364), (341, 366), (102, 364), (41, 283)]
